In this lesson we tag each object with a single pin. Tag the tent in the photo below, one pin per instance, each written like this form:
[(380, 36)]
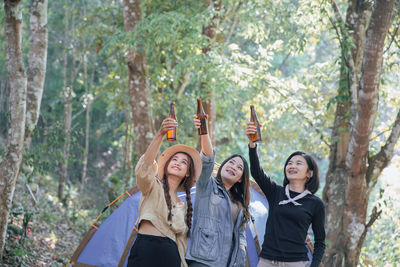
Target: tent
[(109, 244)]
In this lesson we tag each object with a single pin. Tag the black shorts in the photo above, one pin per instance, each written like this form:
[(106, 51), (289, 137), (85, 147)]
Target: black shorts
[(154, 251)]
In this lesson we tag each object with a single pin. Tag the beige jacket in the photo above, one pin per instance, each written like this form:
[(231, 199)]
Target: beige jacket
[(153, 207)]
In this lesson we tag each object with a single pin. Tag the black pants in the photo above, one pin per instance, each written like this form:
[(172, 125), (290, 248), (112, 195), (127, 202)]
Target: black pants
[(154, 251)]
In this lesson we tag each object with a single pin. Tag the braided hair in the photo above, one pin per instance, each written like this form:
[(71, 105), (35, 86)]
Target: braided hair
[(186, 182)]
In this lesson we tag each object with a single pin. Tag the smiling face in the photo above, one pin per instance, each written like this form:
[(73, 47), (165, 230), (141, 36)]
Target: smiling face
[(178, 165), (297, 169), (232, 171)]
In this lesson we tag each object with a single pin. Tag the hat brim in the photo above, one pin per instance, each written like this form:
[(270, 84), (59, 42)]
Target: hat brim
[(168, 153)]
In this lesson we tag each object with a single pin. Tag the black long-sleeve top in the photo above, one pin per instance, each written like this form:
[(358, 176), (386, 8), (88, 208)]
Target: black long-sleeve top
[(287, 225)]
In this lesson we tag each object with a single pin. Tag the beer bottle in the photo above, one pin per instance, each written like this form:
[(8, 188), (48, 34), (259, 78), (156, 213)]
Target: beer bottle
[(201, 115), (171, 134), (253, 118)]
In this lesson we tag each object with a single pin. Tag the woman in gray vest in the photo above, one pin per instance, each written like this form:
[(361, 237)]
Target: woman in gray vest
[(221, 211)]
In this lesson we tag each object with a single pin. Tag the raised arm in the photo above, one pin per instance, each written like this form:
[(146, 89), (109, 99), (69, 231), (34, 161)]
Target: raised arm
[(207, 159), (146, 168), (266, 184), (206, 146), (152, 150)]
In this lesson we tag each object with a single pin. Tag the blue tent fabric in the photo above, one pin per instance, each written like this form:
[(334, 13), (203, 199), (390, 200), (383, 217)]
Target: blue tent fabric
[(108, 242), (251, 248), (259, 211)]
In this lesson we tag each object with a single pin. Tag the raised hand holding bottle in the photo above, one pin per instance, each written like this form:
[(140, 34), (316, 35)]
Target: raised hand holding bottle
[(171, 134), (256, 137), (202, 116)]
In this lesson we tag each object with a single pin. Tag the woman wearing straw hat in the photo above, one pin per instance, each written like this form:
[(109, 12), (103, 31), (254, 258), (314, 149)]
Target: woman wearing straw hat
[(164, 220), (221, 211)]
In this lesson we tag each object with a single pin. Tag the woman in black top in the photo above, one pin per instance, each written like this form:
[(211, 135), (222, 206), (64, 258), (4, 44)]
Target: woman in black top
[(293, 207)]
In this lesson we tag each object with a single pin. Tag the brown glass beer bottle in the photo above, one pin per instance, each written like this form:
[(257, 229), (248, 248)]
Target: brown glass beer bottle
[(253, 118), (171, 134), (202, 116)]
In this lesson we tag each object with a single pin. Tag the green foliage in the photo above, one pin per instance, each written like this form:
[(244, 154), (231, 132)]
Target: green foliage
[(281, 56), (382, 244)]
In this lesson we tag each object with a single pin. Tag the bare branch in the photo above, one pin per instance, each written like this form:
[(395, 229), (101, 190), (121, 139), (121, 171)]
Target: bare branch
[(339, 16), (185, 81), (393, 39), (374, 216), (31, 193), (378, 162), (234, 23)]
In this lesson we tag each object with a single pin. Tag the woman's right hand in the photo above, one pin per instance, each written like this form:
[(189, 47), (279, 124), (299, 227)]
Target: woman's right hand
[(196, 122), (206, 145), (166, 125)]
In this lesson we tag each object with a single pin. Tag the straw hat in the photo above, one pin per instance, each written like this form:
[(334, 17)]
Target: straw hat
[(193, 153)]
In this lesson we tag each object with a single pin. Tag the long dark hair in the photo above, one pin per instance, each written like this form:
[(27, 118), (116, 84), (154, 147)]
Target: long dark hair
[(240, 191), (186, 182), (312, 184)]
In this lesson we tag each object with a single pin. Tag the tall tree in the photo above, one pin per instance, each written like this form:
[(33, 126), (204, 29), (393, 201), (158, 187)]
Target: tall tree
[(67, 99), (87, 103), (139, 91), (25, 95), (68, 95), (353, 170), (210, 32)]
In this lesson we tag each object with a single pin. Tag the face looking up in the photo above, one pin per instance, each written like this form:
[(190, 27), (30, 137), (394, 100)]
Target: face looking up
[(178, 165), (297, 169), (232, 171)]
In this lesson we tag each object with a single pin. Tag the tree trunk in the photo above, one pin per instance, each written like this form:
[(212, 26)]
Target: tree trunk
[(88, 101), (36, 65), (20, 116), (67, 99), (139, 92), (349, 178), (9, 167), (127, 150), (210, 32)]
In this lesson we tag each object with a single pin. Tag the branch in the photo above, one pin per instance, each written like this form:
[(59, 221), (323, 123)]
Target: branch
[(83, 109), (185, 81), (397, 44), (31, 193), (234, 23), (342, 35), (284, 61), (378, 162), (387, 130), (374, 216), (338, 35), (336, 10), (393, 39)]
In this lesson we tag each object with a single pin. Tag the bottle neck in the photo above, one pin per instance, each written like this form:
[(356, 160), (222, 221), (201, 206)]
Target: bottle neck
[(172, 111), (200, 110), (253, 117)]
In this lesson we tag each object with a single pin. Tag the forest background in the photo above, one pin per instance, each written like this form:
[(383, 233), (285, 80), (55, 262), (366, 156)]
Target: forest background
[(84, 85)]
